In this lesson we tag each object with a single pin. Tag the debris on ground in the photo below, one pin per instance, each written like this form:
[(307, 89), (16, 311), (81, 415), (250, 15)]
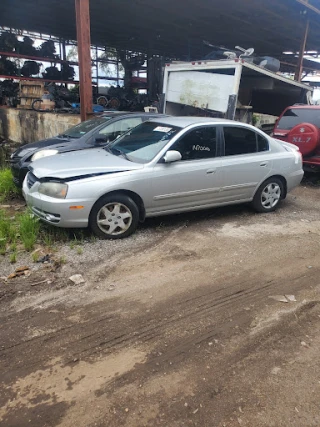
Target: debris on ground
[(41, 282), (279, 298), (291, 298), (45, 259), (276, 370), (77, 279), (20, 271), (283, 298)]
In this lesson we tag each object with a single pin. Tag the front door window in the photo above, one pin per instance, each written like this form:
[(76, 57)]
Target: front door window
[(200, 143)]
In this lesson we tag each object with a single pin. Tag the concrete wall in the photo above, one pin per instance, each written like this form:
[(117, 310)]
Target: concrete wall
[(30, 126)]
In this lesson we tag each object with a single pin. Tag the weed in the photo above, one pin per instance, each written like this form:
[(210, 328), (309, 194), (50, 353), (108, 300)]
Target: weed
[(3, 245), (79, 251), (29, 230), (8, 190), (13, 247), (63, 260), (13, 257), (49, 235), (8, 232), (7, 228), (35, 256), (48, 240), (26, 229)]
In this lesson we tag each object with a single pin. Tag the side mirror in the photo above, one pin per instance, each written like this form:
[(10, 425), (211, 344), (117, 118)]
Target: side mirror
[(101, 139), (172, 156)]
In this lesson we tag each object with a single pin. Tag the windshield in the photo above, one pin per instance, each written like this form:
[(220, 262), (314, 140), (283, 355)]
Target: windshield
[(295, 116), (82, 128), (144, 142)]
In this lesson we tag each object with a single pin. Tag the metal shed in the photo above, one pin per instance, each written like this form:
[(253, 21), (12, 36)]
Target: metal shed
[(174, 29)]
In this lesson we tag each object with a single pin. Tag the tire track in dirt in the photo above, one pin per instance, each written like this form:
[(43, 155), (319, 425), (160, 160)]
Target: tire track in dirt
[(210, 309)]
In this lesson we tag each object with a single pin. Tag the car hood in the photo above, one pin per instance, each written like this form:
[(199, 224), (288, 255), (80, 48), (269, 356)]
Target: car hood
[(81, 163), (45, 143)]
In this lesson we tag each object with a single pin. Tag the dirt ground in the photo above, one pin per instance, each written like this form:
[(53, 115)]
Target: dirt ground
[(172, 327)]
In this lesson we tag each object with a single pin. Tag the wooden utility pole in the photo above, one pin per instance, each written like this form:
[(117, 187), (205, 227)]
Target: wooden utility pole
[(84, 53)]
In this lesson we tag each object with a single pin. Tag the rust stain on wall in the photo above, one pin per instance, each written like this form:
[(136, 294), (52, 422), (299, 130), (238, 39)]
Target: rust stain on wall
[(29, 126)]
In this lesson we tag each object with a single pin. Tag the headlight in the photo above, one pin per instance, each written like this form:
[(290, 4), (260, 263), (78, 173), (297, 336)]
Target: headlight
[(43, 153), (53, 189)]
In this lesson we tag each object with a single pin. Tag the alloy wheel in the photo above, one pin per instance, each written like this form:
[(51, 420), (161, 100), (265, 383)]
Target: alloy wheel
[(114, 218), (270, 195)]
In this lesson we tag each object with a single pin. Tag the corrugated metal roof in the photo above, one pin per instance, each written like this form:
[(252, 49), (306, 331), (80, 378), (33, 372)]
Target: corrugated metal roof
[(175, 28)]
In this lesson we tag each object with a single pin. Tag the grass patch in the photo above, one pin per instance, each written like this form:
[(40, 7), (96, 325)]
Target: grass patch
[(8, 232), (50, 235), (8, 189), (13, 258), (35, 256), (8, 229), (3, 245), (29, 227), (19, 229), (13, 247)]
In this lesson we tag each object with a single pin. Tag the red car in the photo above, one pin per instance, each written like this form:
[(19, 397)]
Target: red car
[(300, 125)]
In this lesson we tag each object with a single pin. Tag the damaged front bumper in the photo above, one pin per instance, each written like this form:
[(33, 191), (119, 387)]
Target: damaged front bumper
[(57, 212)]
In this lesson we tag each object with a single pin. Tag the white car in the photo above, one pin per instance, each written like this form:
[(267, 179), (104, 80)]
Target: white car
[(163, 166)]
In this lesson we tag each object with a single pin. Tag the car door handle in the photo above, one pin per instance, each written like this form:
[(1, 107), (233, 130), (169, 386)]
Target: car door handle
[(263, 164), (210, 171)]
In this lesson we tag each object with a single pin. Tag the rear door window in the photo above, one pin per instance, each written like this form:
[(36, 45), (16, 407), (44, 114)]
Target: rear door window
[(295, 116), (239, 140), (263, 144)]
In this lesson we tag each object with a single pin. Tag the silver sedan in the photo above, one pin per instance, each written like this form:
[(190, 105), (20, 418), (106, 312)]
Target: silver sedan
[(163, 166)]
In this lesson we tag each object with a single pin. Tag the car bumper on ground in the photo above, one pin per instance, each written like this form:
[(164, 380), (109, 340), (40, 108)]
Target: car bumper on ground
[(58, 212)]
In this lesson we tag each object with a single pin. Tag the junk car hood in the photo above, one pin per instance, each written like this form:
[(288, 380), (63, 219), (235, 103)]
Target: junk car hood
[(81, 163), (34, 146)]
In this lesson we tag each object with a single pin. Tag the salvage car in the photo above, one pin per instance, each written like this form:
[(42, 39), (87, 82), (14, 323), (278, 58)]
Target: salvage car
[(163, 166), (89, 134), (300, 125)]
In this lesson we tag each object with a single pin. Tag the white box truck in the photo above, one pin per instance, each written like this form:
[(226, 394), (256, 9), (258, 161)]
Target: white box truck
[(231, 88)]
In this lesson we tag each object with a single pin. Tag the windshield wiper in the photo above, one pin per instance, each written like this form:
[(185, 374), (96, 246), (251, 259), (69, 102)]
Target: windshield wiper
[(121, 153)]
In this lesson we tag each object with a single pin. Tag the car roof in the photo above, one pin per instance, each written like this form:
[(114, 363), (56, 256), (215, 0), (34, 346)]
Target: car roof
[(130, 113), (184, 121)]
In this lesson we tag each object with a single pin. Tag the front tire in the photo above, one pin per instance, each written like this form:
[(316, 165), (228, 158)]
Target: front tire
[(268, 195), (114, 217)]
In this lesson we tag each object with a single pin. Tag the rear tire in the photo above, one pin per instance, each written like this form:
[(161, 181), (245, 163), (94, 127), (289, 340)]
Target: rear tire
[(268, 195), (114, 217)]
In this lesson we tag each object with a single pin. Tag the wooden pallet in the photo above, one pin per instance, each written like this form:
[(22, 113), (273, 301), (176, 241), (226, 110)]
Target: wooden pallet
[(28, 92)]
